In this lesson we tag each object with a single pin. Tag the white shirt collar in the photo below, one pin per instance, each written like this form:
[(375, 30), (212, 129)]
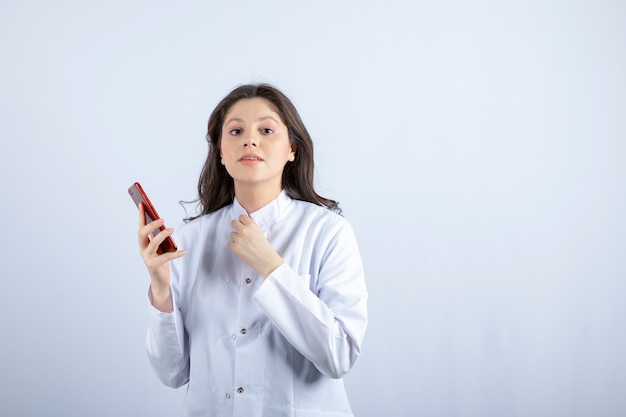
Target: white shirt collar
[(268, 213)]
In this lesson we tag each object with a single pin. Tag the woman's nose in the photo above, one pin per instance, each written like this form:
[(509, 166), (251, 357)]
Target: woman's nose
[(250, 140)]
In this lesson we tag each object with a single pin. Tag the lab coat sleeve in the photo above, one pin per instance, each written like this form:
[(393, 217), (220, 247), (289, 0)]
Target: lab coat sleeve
[(167, 345), (326, 326)]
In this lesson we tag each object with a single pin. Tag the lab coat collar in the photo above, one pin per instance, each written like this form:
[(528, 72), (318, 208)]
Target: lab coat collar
[(268, 213)]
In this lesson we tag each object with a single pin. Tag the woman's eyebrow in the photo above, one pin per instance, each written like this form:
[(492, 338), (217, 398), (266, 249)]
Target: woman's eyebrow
[(260, 119), (234, 119)]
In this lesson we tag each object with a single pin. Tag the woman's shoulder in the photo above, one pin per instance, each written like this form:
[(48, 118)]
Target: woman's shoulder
[(319, 214)]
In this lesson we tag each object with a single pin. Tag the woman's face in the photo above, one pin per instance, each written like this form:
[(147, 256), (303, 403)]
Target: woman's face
[(255, 145)]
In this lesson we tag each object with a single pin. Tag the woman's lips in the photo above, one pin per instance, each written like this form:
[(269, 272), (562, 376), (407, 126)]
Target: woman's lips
[(250, 159)]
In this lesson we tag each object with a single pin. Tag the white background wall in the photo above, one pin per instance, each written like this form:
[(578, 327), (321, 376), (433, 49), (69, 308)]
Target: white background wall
[(478, 149)]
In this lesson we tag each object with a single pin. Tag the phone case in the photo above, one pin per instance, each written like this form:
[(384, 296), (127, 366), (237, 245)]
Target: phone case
[(138, 195)]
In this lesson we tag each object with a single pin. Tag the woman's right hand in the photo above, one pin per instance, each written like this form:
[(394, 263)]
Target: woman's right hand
[(157, 264)]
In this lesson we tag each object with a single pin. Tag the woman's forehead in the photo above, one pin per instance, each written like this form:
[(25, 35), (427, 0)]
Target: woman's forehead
[(249, 109)]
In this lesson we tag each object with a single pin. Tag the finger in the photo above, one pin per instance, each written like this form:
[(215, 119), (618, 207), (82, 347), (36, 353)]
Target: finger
[(237, 225), (153, 227), (156, 241), (142, 216), (245, 219), (168, 256), (147, 230)]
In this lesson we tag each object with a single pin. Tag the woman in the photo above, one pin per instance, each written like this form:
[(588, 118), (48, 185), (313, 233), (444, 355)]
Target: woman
[(265, 310)]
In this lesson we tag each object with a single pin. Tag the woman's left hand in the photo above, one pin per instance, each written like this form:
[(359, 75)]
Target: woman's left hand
[(252, 247)]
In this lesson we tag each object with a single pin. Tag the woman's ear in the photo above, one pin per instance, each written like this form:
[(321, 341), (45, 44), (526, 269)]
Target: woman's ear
[(292, 154)]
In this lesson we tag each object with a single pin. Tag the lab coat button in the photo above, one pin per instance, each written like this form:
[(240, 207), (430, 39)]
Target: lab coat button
[(248, 280), (240, 390), (244, 331), (227, 395), (233, 336)]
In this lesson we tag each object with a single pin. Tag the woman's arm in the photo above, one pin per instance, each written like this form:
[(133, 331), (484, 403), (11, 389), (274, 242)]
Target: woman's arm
[(328, 327), (167, 345), (166, 340)]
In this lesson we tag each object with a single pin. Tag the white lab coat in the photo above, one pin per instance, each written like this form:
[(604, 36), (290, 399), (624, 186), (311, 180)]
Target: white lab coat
[(253, 347)]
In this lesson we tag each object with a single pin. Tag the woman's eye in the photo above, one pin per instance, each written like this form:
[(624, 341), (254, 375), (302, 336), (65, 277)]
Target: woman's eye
[(235, 132), (267, 131)]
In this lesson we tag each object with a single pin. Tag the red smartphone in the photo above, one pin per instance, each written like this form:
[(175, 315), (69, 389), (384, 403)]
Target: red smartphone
[(139, 196)]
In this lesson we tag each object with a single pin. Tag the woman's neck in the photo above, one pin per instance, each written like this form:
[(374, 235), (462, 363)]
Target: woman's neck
[(252, 198)]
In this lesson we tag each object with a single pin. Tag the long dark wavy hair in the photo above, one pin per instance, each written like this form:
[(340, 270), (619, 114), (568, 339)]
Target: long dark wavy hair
[(216, 188)]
